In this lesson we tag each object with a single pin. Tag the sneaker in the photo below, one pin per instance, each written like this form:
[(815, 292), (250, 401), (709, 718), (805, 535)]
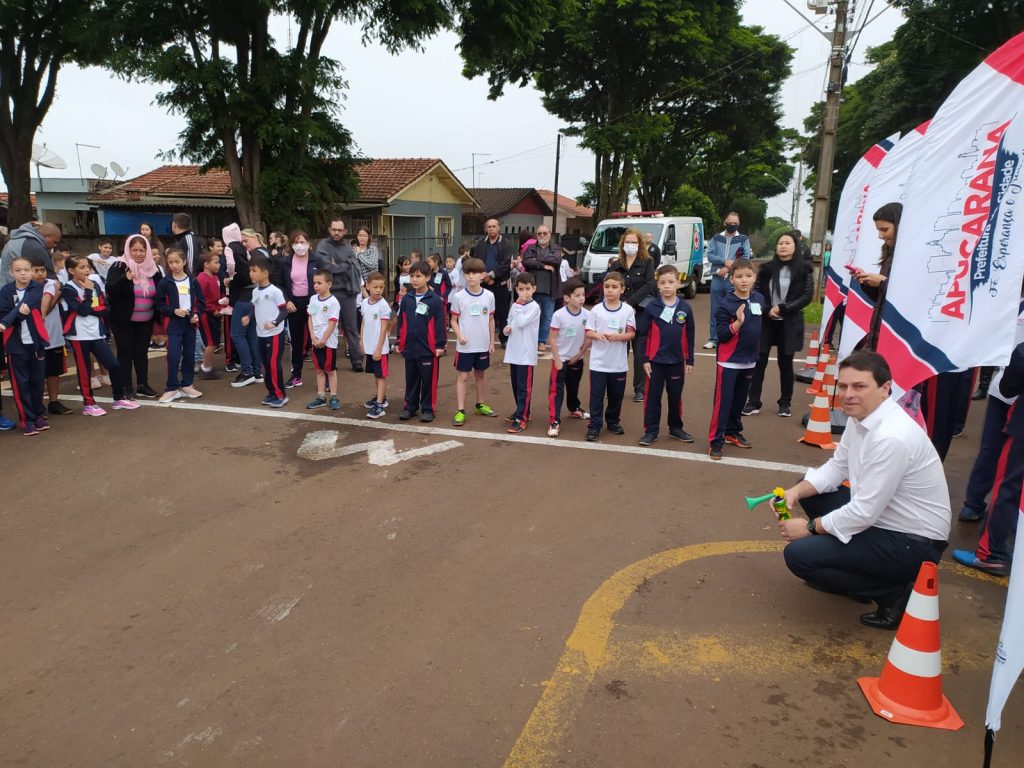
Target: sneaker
[(258, 378), (376, 412), (460, 418), (191, 392), (785, 411), (293, 382), (104, 381), (739, 441), (553, 429), (510, 419), (358, 369), (516, 427), (6, 424), (209, 375), (41, 425), (968, 515), (959, 433), (57, 408), (243, 380), (145, 390), (170, 397), (616, 429), (592, 435), (93, 410), (335, 404), (638, 396), (267, 400), (406, 414), (427, 416), (278, 402), (647, 439), (971, 560), (710, 344), (95, 382), (681, 435), (483, 409), (750, 409), (232, 368), (29, 429), (373, 401), (124, 405), (715, 452), (317, 402), (579, 414)]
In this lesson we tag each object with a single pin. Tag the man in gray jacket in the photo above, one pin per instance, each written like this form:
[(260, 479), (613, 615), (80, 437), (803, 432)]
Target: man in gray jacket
[(724, 248), (543, 260), (29, 240), (333, 253)]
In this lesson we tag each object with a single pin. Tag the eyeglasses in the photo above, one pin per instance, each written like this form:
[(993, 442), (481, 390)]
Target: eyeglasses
[(543, 233)]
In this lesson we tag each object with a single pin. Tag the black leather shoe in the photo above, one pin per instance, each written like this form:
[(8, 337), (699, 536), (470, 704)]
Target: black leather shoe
[(887, 617)]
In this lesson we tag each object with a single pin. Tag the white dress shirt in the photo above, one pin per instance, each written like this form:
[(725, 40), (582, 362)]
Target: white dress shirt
[(896, 478)]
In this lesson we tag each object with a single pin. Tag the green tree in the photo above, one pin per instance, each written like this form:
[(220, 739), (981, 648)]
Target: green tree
[(37, 37), (690, 201)]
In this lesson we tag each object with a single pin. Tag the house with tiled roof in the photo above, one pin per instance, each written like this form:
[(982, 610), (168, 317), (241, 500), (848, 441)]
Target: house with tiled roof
[(518, 209), (573, 219)]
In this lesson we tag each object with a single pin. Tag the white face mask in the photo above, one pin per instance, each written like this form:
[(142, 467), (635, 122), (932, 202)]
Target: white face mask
[(300, 249), (630, 249)]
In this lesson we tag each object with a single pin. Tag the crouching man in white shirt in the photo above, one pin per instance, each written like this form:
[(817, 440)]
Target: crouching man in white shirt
[(868, 542)]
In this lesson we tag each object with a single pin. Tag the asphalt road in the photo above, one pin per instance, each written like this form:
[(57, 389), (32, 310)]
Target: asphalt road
[(218, 584)]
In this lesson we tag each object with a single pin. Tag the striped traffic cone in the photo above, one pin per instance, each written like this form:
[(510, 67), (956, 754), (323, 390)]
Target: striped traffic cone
[(812, 352), (909, 690), (819, 425), (819, 373), (828, 383)]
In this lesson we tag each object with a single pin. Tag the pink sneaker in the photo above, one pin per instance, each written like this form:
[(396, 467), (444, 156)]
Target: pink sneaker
[(124, 405), (190, 392), (93, 410)]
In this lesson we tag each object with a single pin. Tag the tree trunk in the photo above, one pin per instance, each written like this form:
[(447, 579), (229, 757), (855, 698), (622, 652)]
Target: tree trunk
[(17, 170)]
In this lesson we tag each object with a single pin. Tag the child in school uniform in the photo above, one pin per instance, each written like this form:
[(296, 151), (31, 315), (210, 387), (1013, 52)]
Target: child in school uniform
[(324, 311), (568, 346), (738, 328), (376, 318), (209, 321), (473, 323), (270, 311), (664, 347), (179, 299), (521, 330), (421, 341), (611, 325), (55, 362), (453, 265), (24, 335)]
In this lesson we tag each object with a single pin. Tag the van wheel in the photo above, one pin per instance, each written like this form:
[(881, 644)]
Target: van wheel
[(690, 289)]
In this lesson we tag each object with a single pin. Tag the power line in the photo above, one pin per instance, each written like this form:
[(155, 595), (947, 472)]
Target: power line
[(507, 157)]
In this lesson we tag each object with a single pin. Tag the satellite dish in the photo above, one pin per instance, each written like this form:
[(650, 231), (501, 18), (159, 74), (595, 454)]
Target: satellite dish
[(117, 169), (44, 157), (99, 170)]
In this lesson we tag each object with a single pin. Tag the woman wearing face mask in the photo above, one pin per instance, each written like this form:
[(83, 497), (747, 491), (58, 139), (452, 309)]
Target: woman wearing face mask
[(366, 252), (298, 287), (131, 292), (637, 268), (787, 281)]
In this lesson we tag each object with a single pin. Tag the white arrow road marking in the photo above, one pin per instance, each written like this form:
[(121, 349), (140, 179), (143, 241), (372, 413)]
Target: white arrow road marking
[(323, 444)]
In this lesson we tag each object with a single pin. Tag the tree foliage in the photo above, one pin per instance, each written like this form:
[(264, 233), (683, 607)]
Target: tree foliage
[(664, 93), (938, 44)]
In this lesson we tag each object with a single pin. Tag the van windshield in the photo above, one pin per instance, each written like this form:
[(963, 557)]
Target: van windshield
[(606, 238)]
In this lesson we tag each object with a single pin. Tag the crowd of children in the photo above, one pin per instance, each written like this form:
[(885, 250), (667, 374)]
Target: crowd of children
[(42, 315)]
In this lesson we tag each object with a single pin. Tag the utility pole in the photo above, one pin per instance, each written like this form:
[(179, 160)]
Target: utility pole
[(823, 192), (554, 201), (795, 215)]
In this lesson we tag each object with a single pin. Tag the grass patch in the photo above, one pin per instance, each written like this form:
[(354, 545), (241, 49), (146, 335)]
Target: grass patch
[(812, 313)]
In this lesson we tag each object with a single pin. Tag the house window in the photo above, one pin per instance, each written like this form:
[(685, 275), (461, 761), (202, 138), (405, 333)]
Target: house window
[(444, 227), (362, 221)]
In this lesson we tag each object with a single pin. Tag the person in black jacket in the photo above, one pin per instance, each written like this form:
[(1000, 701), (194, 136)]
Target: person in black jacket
[(787, 283), (637, 268), (497, 253), (189, 242), (131, 292)]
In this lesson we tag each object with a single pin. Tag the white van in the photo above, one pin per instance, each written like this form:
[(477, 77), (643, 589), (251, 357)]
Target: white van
[(680, 238)]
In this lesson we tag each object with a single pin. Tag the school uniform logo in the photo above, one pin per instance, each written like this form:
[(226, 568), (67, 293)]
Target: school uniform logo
[(680, 317)]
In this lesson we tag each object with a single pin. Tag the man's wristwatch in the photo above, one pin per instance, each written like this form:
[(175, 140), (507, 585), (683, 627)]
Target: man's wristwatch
[(811, 529)]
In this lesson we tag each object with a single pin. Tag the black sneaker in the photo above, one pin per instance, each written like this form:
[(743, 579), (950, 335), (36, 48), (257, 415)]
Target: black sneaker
[(57, 408), (785, 412), (715, 452), (750, 409), (739, 441), (616, 429), (592, 435), (638, 396), (243, 380), (145, 390), (427, 417), (647, 439), (406, 414), (232, 368), (681, 434)]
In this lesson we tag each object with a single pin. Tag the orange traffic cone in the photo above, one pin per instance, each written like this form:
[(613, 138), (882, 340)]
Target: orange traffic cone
[(828, 383), (819, 374), (819, 425), (812, 352), (909, 690)]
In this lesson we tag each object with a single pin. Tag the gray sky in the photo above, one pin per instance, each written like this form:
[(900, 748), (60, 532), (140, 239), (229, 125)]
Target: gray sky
[(417, 104)]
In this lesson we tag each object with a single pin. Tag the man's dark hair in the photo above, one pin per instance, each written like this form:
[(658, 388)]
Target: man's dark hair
[(182, 221), (865, 360), (421, 268), (571, 285)]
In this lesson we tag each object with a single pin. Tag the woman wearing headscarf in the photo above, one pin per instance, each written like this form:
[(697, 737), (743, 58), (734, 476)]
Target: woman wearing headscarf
[(131, 291)]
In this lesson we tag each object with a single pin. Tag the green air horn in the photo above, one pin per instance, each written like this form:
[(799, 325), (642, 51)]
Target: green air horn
[(753, 502)]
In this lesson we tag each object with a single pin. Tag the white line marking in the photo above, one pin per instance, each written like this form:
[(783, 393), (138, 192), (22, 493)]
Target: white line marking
[(278, 611), (551, 442), (323, 444)]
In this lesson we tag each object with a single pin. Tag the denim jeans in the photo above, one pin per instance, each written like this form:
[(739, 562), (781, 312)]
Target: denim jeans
[(244, 338), (547, 309)]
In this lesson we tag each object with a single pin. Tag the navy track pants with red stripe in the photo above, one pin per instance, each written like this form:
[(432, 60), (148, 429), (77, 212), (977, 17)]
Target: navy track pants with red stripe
[(271, 351), (731, 388), (522, 389), (664, 377), (1000, 527), (421, 384), (564, 382), (28, 377)]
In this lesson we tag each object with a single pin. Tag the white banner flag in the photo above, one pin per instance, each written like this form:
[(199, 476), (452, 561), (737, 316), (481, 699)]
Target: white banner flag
[(1010, 651), (849, 216), (956, 273), (888, 185)]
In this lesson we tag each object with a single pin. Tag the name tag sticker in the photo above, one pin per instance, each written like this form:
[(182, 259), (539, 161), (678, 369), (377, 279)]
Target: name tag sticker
[(666, 314), (183, 289), (437, 279), (475, 309), (569, 332), (755, 309), (95, 301), (422, 309), (614, 324)]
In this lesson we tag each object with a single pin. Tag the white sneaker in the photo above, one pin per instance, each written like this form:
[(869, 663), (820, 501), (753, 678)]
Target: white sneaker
[(553, 429), (190, 392), (104, 381), (95, 382), (710, 344), (169, 397)]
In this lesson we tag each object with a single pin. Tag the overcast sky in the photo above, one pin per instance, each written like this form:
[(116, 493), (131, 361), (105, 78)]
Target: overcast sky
[(419, 105)]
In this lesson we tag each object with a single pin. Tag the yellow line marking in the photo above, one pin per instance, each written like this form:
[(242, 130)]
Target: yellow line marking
[(587, 650)]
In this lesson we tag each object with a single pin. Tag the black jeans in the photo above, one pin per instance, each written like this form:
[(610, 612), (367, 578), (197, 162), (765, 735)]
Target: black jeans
[(298, 333), (132, 340), (774, 330), (877, 564)]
